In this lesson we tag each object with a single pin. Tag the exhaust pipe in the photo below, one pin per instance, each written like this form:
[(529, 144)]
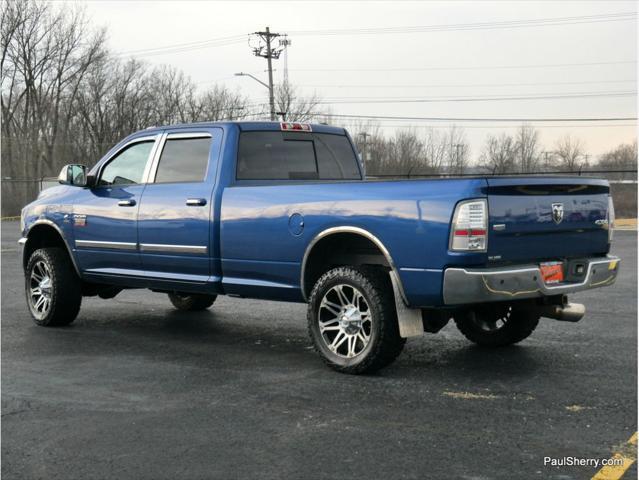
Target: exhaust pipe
[(570, 312)]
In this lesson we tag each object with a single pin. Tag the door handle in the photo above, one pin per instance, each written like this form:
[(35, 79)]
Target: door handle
[(196, 202), (126, 203)]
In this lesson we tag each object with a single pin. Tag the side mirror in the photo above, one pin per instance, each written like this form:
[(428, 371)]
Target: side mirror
[(73, 174)]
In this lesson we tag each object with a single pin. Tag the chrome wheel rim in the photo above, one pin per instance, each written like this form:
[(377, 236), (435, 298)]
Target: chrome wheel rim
[(345, 321), (494, 320), (40, 289)]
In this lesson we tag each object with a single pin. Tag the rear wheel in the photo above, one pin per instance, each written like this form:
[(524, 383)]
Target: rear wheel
[(352, 320), (497, 325), (191, 302), (53, 289)]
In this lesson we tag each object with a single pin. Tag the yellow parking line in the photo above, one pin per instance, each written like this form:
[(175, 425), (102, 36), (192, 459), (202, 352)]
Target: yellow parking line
[(627, 453)]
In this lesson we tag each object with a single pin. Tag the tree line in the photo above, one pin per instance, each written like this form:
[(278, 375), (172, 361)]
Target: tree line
[(410, 152), (67, 99)]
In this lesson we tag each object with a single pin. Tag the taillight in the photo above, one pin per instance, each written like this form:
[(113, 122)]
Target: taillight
[(470, 226), (611, 218)]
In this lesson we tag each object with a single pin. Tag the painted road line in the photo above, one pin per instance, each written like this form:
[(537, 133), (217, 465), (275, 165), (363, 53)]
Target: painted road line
[(627, 453)]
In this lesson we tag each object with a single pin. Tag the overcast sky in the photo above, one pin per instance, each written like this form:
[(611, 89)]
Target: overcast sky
[(594, 57)]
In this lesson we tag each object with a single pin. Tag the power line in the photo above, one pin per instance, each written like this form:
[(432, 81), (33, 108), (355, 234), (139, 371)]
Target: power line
[(486, 127), (354, 100), (466, 119), (184, 47), (235, 39), (540, 22), (481, 67), (463, 85)]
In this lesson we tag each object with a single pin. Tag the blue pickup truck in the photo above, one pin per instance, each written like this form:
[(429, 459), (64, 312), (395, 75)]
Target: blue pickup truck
[(282, 211)]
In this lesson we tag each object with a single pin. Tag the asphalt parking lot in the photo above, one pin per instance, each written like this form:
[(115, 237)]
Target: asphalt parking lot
[(136, 390)]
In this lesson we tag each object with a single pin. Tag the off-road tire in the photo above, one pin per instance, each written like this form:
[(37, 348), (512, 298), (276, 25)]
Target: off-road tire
[(522, 322), (385, 342), (191, 302), (66, 291)]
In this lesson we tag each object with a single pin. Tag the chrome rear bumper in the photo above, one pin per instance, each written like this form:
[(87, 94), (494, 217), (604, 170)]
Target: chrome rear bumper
[(467, 285)]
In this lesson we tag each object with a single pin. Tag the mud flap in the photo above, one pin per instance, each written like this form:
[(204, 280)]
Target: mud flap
[(409, 319)]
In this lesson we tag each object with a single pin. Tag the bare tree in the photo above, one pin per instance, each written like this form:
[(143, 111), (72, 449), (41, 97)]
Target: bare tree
[(623, 157), (498, 156), (458, 150), (569, 151), (527, 148), (292, 106), (46, 54), (219, 103), (436, 150)]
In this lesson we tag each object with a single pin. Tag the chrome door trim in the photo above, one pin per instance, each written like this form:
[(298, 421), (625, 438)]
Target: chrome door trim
[(105, 244), (157, 247)]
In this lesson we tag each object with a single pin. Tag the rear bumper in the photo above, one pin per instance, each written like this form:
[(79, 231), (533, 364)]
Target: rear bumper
[(467, 285)]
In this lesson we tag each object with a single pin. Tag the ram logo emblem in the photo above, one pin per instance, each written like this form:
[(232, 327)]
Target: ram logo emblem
[(557, 212)]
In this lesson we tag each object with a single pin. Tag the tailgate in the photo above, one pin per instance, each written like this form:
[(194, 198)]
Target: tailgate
[(545, 218)]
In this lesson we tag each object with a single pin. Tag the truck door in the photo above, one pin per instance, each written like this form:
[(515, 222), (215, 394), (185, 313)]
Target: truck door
[(176, 237), (105, 216)]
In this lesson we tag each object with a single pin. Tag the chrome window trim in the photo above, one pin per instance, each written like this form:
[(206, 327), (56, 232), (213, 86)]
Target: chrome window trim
[(359, 231), (157, 247), (153, 170), (147, 138), (105, 244), (155, 160), (172, 136)]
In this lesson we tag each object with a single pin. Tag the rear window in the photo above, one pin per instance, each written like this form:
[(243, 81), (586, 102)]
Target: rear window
[(296, 156)]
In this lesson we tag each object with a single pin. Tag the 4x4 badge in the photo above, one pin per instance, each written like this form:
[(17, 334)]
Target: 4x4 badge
[(557, 212)]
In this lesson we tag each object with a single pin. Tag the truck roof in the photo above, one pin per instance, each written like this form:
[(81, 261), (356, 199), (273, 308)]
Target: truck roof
[(250, 126)]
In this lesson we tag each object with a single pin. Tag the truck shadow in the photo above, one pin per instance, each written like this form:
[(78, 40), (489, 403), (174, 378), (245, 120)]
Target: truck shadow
[(276, 343)]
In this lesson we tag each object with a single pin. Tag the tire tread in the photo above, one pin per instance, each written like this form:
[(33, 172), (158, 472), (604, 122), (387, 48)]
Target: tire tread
[(389, 343), (67, 298)]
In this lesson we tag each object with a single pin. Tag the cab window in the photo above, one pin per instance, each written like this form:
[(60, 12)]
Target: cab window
[(183, 160), (127, 167)]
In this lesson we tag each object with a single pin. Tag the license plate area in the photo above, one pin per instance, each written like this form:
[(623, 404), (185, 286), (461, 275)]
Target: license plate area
[(552, 272)]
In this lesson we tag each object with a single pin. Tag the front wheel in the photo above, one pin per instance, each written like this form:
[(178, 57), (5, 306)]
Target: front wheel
[(191, 302), (52, 287), (352, 320), (498, 325)]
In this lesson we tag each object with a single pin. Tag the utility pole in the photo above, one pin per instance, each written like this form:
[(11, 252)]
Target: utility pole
[(365, 136), (285, 42), (265, 50), (458, 147)]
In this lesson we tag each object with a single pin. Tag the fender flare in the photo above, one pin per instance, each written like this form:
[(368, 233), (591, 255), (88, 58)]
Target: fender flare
[(49, 223), (395, 278)]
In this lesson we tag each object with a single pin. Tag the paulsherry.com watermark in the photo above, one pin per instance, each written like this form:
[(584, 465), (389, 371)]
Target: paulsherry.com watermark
[(582, 462)]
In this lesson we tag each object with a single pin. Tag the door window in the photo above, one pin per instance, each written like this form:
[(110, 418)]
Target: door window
[(183, 160), (127, 167)]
